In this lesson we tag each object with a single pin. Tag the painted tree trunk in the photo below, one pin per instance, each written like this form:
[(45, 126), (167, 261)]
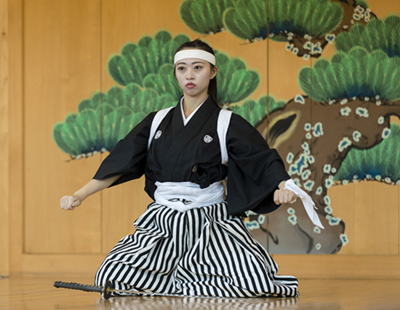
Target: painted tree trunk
[(313, 139)]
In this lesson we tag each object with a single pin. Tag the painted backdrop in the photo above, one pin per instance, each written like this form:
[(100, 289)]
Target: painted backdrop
[(320, 80), (339, 128)]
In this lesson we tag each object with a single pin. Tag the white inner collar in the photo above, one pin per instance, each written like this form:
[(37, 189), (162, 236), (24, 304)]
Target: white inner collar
[(186, 120)]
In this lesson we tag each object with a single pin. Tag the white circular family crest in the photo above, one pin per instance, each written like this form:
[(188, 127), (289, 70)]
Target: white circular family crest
[(207, 139), (158, 134)]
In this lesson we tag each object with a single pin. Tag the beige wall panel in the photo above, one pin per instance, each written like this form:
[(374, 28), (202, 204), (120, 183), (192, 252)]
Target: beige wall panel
[(16, 135), (121, 206), (62, 62), (368, 232), (384, 8), (4, 140), (62, 264), (283, 70), (377, 219)]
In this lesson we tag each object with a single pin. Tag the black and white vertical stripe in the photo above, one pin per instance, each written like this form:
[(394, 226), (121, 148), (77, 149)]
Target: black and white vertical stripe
[(199, 252)]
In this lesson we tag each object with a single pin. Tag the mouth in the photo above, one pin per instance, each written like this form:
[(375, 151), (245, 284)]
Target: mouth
[(190, 85)]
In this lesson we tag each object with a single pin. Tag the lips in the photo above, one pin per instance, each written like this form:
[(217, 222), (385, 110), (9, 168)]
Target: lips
[(190, 85)]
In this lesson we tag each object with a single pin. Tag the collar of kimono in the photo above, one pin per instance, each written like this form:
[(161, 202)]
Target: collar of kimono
[(195, 53)]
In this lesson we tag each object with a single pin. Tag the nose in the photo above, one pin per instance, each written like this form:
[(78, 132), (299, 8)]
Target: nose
[(189, 74)]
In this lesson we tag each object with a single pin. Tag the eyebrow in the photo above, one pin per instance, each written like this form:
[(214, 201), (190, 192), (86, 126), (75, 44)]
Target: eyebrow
[(193, 63)]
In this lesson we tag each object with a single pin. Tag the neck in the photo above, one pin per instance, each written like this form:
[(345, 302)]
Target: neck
[(191, 103)]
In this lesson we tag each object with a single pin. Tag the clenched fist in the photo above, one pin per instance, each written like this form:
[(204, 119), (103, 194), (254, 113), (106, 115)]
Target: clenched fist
[(284, 196), (70, 202)]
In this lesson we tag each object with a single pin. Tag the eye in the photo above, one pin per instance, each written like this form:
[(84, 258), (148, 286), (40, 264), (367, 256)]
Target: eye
[(198, 67), (180, 68)]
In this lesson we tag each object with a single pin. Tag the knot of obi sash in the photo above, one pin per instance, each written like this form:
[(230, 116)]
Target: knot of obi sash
[(182, 196)]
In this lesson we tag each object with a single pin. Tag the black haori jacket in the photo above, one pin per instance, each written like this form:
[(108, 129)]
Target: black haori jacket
[(181, 153)]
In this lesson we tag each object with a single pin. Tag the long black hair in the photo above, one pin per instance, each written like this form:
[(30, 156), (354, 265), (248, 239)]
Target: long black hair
[(198, 44)]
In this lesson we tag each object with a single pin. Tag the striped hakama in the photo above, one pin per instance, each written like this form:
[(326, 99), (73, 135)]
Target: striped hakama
[(198, 252)]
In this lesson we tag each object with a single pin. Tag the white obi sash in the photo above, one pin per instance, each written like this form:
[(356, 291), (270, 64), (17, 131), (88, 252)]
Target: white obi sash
[(182, 196)]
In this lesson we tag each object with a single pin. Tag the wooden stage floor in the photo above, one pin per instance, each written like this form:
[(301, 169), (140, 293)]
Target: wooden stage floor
[(37, 292)]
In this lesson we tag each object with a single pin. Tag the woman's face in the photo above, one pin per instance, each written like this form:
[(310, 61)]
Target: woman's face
[(194, 75)]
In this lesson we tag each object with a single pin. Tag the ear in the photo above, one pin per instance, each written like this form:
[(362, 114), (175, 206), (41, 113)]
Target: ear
[(214, 71)]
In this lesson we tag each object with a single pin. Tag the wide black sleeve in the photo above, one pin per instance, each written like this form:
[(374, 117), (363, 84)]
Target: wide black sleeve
[(254, 170), (128, 157)]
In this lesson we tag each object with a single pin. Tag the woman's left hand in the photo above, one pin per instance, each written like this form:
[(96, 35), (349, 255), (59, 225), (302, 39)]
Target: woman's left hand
[(284, 196)]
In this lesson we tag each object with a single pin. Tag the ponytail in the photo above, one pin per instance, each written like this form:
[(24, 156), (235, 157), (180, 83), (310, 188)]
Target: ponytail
[(212, 90)]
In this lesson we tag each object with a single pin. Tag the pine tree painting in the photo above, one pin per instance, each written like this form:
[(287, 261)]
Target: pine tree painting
[(306, 26), (144, 72), (352, 96)]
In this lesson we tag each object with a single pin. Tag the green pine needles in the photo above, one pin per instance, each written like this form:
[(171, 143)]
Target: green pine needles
[(164, 82), (255, 111), (106, 118), (361, 3), (146, 72), (249, 19), (378, 163), (377, 35), (205, 16), (315, 18), (150, 65), (138, 60), (234, 81), (354, 74)]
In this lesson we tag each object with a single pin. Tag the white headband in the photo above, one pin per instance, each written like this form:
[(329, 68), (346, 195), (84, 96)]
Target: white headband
[(195, 53)]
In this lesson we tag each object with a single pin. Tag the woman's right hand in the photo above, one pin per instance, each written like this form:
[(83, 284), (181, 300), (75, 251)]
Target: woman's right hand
[(70, 202)]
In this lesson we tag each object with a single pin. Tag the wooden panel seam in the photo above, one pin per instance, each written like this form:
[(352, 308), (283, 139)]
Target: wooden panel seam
[(4, 140), (16, 163)]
